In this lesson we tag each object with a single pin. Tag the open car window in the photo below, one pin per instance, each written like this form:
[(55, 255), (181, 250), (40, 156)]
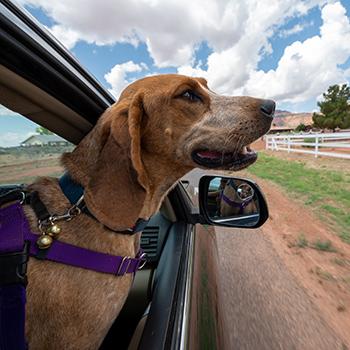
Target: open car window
[(28, 150)]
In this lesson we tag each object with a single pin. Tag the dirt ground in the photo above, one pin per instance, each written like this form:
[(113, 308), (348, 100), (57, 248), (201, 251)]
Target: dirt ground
[(21, 169), (324, 275), (279, 295)]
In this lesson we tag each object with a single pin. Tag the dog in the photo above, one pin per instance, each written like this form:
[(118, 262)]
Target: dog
[(160, 128), (233, 203)]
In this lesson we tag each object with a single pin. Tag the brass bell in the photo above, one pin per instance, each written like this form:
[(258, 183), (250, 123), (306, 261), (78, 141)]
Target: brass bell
[(54, 230), (44, 241)]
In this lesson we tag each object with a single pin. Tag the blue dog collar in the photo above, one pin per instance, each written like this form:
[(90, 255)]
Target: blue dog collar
[(74, 191)]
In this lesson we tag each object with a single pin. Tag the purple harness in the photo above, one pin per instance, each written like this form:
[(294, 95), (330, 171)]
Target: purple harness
[(14, 231), (233, 204), (17, 242)]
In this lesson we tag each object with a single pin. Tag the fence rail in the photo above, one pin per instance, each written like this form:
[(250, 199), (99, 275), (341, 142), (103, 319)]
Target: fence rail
[(301, 143)]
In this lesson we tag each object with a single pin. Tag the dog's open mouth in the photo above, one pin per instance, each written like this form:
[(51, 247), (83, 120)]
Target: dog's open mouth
[(227, 160)]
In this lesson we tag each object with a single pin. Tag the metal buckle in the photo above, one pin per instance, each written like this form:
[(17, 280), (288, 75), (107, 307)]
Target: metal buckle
[(13, 266), (142, 257), (23, 198), (122, 264)]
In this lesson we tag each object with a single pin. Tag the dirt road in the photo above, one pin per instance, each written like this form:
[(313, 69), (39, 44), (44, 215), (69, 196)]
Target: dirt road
[(268, 306)]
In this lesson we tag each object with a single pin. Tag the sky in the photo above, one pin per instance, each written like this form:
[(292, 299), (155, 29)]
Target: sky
[(286, 50)]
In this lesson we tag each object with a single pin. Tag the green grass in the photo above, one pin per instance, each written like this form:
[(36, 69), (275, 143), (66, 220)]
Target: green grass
[(328, 192), (309, 140), (325, 246), (302, 241), (324, 274), (341, 261)]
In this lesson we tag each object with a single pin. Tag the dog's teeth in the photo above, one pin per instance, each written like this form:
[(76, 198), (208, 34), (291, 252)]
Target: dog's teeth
[(244, 150)]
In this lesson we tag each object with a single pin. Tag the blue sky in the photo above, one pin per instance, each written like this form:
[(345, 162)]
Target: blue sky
[(290, 51)]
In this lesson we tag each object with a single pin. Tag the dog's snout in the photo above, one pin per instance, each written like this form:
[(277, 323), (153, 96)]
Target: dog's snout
[(268, 108)]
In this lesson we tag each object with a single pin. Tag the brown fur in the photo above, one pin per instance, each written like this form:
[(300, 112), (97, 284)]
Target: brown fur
[(139, 148)]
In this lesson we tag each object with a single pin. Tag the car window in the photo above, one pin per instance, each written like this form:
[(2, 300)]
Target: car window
[(27, 150)]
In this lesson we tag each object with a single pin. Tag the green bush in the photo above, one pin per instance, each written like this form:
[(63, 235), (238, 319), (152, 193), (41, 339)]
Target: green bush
[(310, 140)]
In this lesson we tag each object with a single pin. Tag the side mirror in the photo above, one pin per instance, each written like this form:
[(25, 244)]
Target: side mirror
[(232, 202)]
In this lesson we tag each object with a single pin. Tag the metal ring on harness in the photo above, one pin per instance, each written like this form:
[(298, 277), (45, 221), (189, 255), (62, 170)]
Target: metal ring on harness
[(142, 256)]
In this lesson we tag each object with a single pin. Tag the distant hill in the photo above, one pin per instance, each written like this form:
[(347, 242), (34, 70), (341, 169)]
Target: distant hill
[(291, 120), (281, 113)]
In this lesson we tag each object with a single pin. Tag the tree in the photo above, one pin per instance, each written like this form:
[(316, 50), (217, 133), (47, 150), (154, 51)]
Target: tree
[(335, 108), (301, 127), (42, 131)]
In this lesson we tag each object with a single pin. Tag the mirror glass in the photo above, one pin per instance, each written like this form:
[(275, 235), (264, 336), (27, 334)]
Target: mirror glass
[(234, 200)]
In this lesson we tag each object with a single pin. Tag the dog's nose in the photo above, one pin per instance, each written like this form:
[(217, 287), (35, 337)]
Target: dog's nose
[(268, 108)]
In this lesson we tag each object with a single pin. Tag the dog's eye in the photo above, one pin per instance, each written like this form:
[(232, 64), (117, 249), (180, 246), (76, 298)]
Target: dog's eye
[(192, 96)]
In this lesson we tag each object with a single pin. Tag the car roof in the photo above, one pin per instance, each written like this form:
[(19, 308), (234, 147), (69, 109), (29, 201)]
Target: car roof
[(33, 64)]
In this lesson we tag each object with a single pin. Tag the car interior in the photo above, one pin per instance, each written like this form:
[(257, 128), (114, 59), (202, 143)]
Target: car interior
[(154, 286)]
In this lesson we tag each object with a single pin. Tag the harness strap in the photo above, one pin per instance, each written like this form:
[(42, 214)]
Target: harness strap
[(61, 252), (69, 254), (15, 236), (12, 281), (12, 229), (12, 317), (233, 204), (14, 195), (38, 206)]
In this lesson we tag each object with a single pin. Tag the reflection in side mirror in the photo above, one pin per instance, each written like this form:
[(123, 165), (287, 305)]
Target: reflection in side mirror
[(234, 202)]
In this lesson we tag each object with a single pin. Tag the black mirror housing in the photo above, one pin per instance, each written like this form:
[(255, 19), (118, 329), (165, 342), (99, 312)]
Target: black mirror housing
[(231, 202)]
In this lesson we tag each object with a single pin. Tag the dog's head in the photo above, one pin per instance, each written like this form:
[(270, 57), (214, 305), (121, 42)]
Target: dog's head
[(160, 128), (186, 122)]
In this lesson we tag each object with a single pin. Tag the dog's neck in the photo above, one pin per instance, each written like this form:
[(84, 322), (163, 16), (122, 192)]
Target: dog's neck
[(233, 195), (160, 182), (159, 188)]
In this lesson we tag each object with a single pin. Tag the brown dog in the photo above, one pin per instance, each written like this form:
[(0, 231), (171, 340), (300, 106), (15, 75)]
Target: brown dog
[(235, 205), (160, 128)]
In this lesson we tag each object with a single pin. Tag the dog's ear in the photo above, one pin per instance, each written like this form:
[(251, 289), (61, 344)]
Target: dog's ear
[(135, 116), (108, 164)]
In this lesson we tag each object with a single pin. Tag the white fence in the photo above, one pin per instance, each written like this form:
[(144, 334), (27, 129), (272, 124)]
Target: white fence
[(317, 144)]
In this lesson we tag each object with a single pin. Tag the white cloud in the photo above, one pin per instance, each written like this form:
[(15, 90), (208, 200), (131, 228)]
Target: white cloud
[(347, 73), (12, 139), (238, 32), (230, 69), (66, 36), (299, 27), (7, 112), (307, 68), (117, 76), (8, 138), (171, 29)]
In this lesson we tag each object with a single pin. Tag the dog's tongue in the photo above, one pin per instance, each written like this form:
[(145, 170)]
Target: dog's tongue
[(209, 154)]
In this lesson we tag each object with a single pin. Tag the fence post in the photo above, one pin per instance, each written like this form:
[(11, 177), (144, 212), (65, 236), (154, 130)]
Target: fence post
[(342, 140), (274, 145), (288, 143)]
